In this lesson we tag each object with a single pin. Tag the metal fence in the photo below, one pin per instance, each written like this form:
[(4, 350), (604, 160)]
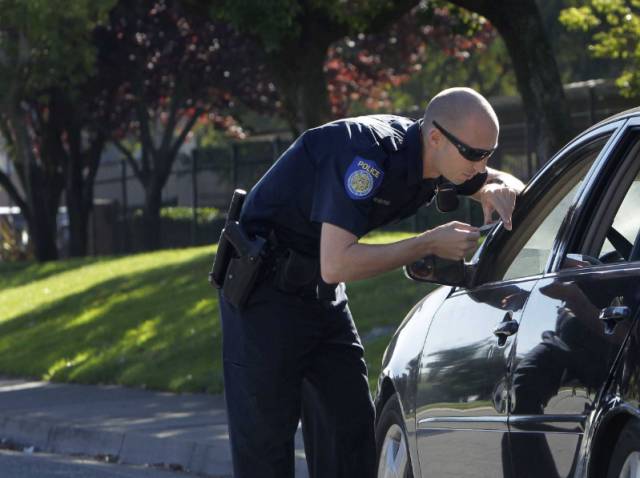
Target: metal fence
[(206, 177)]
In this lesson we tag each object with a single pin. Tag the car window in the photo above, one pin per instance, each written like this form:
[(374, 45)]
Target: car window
[(613, 223), (532, 259), (526, 253), (626, 223)]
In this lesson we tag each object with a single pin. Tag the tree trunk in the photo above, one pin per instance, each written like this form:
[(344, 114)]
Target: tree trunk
[(298, 64), (538, 77), (42, 183), (298, 69), (73, 177), (520, 26), (79, 181), (151, 216), (44, 204), (42, 229), (78, 220)]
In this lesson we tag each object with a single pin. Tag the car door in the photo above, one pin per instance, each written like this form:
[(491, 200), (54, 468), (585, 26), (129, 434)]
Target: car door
[(577, 317), (462, 397)]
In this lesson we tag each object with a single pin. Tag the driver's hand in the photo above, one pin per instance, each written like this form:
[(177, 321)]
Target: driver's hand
[(454, 240), (498, 198)]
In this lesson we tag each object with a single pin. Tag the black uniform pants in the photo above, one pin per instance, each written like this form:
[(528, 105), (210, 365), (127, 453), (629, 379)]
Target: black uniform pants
[(288, 357)]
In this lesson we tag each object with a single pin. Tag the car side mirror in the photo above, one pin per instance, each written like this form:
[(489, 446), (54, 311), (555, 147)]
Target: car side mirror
[(440, 271)]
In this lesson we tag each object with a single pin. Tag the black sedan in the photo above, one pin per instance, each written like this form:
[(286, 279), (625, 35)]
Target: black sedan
[(526, 362)]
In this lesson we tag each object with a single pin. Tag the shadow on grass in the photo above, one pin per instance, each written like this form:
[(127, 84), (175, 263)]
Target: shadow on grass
[(158, 329), (15, 274)]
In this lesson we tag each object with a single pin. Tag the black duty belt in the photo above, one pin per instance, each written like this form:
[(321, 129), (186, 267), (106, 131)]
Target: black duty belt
[(296, 273)]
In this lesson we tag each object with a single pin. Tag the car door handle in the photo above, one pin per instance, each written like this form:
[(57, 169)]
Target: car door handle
[(610, 316), (504, 329)]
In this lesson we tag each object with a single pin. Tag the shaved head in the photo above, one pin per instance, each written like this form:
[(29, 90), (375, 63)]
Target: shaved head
[(468, 119), (458, 106)]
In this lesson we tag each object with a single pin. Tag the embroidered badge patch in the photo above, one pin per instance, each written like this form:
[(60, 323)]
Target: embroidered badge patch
[(362, 178)]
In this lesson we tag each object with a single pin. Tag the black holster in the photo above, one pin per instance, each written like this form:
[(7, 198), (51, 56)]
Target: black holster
[(239, 260), (245, 267), (241, 278), (225, 249)]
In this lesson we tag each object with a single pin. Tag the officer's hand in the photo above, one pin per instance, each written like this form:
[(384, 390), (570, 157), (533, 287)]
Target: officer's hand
[(453, 240), (499, 198)]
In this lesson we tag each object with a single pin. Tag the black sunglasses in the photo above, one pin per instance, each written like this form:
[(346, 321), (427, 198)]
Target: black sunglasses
[(467, 152)]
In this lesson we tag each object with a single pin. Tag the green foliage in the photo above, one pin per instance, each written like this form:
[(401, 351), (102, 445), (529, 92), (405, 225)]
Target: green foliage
[(271, 21), (488, 71), (356, 14), (462, 21), (175, 213), (615, 29), (274, 21), (204, 214), (48, 42), (210, 136)]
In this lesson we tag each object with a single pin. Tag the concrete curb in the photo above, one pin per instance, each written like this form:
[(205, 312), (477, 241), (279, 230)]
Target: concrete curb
[(126, 448)]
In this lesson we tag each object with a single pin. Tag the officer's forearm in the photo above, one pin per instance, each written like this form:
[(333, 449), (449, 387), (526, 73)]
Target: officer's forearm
[(361, 261)]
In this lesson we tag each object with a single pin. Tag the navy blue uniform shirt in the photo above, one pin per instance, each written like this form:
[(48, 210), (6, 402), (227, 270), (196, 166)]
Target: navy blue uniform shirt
[(356, 173)]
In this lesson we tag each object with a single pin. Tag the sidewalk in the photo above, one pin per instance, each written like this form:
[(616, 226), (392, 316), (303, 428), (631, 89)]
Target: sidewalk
[(187, 432)]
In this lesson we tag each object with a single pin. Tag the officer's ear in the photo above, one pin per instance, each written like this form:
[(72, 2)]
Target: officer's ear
[(434, 137)]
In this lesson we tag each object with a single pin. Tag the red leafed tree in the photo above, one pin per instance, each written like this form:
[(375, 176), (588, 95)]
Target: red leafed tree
[(181, 67), (363, 67), (326, 54)]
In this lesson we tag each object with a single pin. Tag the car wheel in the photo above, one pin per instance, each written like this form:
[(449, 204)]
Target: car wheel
[(391, 442), (625, 461)]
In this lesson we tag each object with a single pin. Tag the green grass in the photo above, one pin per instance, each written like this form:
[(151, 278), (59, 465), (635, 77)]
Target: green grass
[(148, 320)]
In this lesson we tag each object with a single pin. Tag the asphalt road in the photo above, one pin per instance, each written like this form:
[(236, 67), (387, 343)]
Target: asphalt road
[(42, 465)]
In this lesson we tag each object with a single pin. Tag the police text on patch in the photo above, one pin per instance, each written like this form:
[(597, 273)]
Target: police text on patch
[(373, 171)]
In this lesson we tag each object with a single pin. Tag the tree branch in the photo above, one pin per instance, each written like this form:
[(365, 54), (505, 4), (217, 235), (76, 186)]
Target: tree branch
[(130, 159), (145, 131), (94, 155), (145, 135), (176, 98), (185, 131)]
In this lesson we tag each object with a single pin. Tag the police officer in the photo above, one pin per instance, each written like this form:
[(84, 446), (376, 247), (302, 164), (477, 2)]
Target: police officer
[(293, 346)]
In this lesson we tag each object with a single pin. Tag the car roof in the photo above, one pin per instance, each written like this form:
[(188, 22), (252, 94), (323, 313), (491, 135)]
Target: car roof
[(623, 114)]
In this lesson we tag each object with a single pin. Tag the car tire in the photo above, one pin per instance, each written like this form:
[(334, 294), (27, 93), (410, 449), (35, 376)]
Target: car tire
[(392, 446), (625, 461)]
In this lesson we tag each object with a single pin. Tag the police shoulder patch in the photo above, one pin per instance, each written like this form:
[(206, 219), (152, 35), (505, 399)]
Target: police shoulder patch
[(362, 178)]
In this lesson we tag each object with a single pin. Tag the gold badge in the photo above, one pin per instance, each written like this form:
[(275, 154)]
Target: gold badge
[(360, 182)]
